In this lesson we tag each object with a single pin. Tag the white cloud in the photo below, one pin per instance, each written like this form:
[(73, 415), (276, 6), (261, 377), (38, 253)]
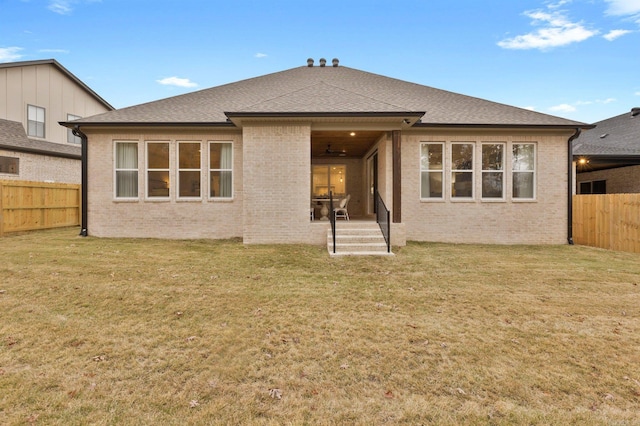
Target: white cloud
[(260, 55), (65, 7), (10, 54), (176, 81), (62, 7), (623, 7), (637, 93), (556, 30), (530, 108), (614, 34), (563, 108)]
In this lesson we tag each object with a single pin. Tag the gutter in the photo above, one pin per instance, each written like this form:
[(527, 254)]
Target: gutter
[(570, 185), (84, 188)]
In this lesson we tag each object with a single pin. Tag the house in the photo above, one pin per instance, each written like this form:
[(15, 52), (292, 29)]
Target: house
[(34, 97), (608, 156), (250, 159)]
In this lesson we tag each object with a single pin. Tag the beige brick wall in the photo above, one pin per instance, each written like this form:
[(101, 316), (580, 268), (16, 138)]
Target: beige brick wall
[(43, 168), (619, 181), (277, 165), (542, 221), (173, 218)]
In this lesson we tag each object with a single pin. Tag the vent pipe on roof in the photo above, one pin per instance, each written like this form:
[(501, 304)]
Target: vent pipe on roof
[(323, 62), (635, 111), (310, 62), (335, 62)]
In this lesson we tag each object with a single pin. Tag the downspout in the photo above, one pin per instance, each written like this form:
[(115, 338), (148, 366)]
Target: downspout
[(84, 188), (570, 186)]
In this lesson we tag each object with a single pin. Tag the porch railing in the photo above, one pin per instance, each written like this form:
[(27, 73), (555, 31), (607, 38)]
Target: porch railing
[(383, 216), (332, 219)]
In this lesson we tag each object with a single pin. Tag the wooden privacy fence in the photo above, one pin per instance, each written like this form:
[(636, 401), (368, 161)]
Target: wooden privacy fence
[(26, 206), (610, 221)]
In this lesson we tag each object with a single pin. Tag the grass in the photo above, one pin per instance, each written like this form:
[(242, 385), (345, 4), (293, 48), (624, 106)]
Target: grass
[(119, 331)]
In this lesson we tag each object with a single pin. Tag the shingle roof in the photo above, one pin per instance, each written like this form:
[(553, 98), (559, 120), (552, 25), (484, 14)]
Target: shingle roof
[(329, 90), (616, 136), (13, 137)]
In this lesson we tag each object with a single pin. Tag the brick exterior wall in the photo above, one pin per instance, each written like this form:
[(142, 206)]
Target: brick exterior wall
[(542, 221), (277, 165), (173, 218), (272, 164), (619, 181), (43, 168)]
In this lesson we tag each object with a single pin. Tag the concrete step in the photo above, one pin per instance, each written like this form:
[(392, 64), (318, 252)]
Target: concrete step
[(357, 239)]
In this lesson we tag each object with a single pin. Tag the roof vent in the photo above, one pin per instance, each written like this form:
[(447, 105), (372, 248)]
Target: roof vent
[(335, 62), (323, 62), (635, 111), (604, 135), (310, 62)]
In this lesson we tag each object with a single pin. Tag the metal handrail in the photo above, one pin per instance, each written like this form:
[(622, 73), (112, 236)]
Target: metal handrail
[(383, 218), (332, 219)]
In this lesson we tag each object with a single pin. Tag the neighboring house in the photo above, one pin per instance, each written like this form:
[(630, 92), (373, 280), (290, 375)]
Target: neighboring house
[(34, 97), (247, 159), (608, 156)]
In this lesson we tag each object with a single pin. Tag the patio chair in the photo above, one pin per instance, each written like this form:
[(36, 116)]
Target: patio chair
[(341, 211)]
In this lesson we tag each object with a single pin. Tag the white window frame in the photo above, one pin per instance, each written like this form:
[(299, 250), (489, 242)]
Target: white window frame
[(428, 171), (466, 171), (71, 138), (221, 169), (180, 170), (33, 116), (501, 171), (148, 169), (534, 171), (116, 170)]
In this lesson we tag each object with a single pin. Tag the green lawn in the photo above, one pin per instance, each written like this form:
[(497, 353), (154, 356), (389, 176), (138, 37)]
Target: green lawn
[(142, 332)]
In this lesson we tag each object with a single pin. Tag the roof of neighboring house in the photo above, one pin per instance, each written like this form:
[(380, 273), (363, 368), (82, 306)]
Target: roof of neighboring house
[(616, 136), (14, 138), (62, 69), (325, 91)]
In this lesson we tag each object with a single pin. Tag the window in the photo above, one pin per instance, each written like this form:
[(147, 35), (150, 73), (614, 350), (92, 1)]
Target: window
[(158, 183), (329, 177), (523, 166), (595, 187), (493, 171), (35, 121), (189, 169), (431, 171), (220, 170), (9, 165), (462, 170), (71, 138), (126, 170)]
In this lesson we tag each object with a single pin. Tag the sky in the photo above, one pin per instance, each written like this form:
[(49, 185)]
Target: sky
[(577, 59)]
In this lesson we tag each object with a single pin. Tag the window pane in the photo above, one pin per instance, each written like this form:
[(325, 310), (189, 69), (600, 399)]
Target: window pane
[(431, 185), (9, 165), (337, 178), (189, 184), (523, 185), (462, 184), (158, 155), (599, 187), (462, 156), (220, 185), (158, 184), (492, 185), (431, 157), (585, 187), (523, 157), (189, 155), (126, 155), (126, 183), (492, 156)]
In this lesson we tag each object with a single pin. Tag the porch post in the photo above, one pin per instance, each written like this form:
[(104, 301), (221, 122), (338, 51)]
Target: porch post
[(397, 175)]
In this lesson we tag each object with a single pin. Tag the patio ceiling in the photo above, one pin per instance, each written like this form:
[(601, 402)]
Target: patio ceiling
[(342, 141)]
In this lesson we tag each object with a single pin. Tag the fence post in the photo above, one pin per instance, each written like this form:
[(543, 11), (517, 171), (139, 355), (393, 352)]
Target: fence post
[(1, 211)]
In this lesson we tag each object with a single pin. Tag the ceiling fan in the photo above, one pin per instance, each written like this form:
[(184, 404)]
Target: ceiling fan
[(335, 152)]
